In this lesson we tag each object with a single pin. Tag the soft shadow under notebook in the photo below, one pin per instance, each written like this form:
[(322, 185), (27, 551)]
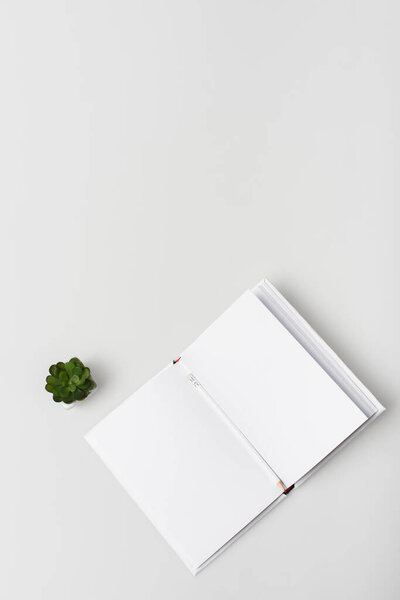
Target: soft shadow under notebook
[(227, 430)]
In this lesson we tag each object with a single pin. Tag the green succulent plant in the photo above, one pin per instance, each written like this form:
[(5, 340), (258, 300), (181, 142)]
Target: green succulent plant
[(69, 381)]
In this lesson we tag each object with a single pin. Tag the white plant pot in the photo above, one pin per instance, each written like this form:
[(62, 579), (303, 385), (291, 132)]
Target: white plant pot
[(68, 406)]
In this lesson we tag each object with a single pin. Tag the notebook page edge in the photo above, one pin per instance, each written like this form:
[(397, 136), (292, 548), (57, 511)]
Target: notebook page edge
[(306, 335)]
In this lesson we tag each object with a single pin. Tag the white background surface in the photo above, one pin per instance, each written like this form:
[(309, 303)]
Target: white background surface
[(158, 158)]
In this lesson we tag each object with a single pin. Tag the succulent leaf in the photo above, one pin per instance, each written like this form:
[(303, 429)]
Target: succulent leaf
[(69, 381), (77, 362), (54, 370), (84, 375), (68, 367)]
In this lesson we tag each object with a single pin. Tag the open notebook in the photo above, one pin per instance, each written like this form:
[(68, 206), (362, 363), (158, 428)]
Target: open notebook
[(222, 434)]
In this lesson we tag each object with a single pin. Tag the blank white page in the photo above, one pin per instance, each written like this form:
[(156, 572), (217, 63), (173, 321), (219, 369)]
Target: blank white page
[(184, 465), (287, 406)]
